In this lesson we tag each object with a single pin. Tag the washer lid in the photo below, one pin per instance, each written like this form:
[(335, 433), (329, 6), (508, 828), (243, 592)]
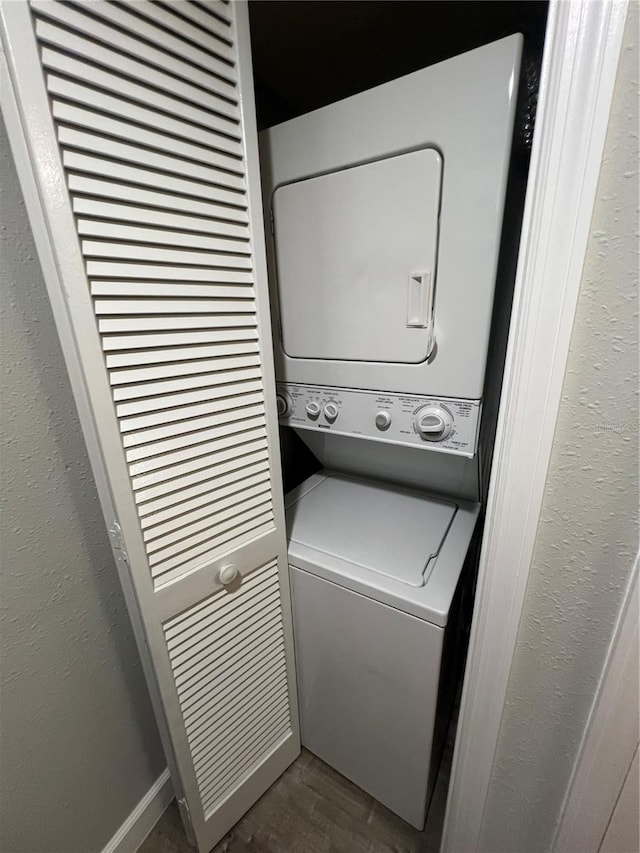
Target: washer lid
[(390, 531)]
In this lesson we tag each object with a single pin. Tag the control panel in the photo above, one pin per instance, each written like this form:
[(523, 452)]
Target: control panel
[(437, 423)]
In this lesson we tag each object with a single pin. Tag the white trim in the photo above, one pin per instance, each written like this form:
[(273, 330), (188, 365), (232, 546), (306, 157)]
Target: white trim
[(610, 738), (579, 68), (143, 818)]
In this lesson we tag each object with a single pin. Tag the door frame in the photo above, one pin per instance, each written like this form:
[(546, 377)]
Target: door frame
[(582, 49)]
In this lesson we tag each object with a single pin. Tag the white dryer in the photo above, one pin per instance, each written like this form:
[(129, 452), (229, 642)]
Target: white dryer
[(386, 213), (375, 578)]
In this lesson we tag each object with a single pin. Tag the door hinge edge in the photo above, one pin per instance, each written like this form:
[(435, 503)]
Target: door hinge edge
[(185, 814), (117, 540)]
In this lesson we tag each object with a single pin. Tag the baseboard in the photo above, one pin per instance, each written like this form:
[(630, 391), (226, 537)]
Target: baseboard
[(143, 818)]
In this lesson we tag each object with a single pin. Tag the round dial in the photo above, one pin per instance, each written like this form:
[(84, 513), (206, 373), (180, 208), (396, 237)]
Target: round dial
[(331, 412), (383, 420), (433, 423), (312, 409), (283, 403)]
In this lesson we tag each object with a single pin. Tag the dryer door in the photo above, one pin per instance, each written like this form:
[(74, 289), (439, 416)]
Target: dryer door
[(356, 256)]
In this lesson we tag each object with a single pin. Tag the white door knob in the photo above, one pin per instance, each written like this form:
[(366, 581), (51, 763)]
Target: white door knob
[(227, 574)]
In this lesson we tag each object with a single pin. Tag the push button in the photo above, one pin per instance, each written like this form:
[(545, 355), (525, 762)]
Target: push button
[(383, 420)]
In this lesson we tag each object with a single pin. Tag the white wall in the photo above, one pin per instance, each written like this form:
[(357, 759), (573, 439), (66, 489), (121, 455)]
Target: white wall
[(588, 533), (79, 746)]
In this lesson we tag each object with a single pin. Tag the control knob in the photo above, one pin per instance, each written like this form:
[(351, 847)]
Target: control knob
[(283, 404), (433, 423), (312, 409), (331, 412)]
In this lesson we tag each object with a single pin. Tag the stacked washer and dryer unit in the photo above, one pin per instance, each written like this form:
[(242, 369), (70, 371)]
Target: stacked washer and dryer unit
[(386, 214)]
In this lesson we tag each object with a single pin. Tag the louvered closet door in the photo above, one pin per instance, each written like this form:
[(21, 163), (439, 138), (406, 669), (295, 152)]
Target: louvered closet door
[(132, 126)]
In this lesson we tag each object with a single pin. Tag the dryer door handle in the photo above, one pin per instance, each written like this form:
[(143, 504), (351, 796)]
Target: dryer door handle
[(420, 304)]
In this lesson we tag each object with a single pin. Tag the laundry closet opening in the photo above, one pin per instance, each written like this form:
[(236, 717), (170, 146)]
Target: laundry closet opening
[(395, 140), (393, 147)]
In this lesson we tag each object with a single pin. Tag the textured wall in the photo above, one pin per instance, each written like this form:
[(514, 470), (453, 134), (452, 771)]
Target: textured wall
[(79, 746), (588, 533)]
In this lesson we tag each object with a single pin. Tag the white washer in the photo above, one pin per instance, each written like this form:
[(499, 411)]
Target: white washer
[(375, 572)]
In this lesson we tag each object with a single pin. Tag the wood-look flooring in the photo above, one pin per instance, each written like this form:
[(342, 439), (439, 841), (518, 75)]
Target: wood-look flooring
[(313, 809)]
